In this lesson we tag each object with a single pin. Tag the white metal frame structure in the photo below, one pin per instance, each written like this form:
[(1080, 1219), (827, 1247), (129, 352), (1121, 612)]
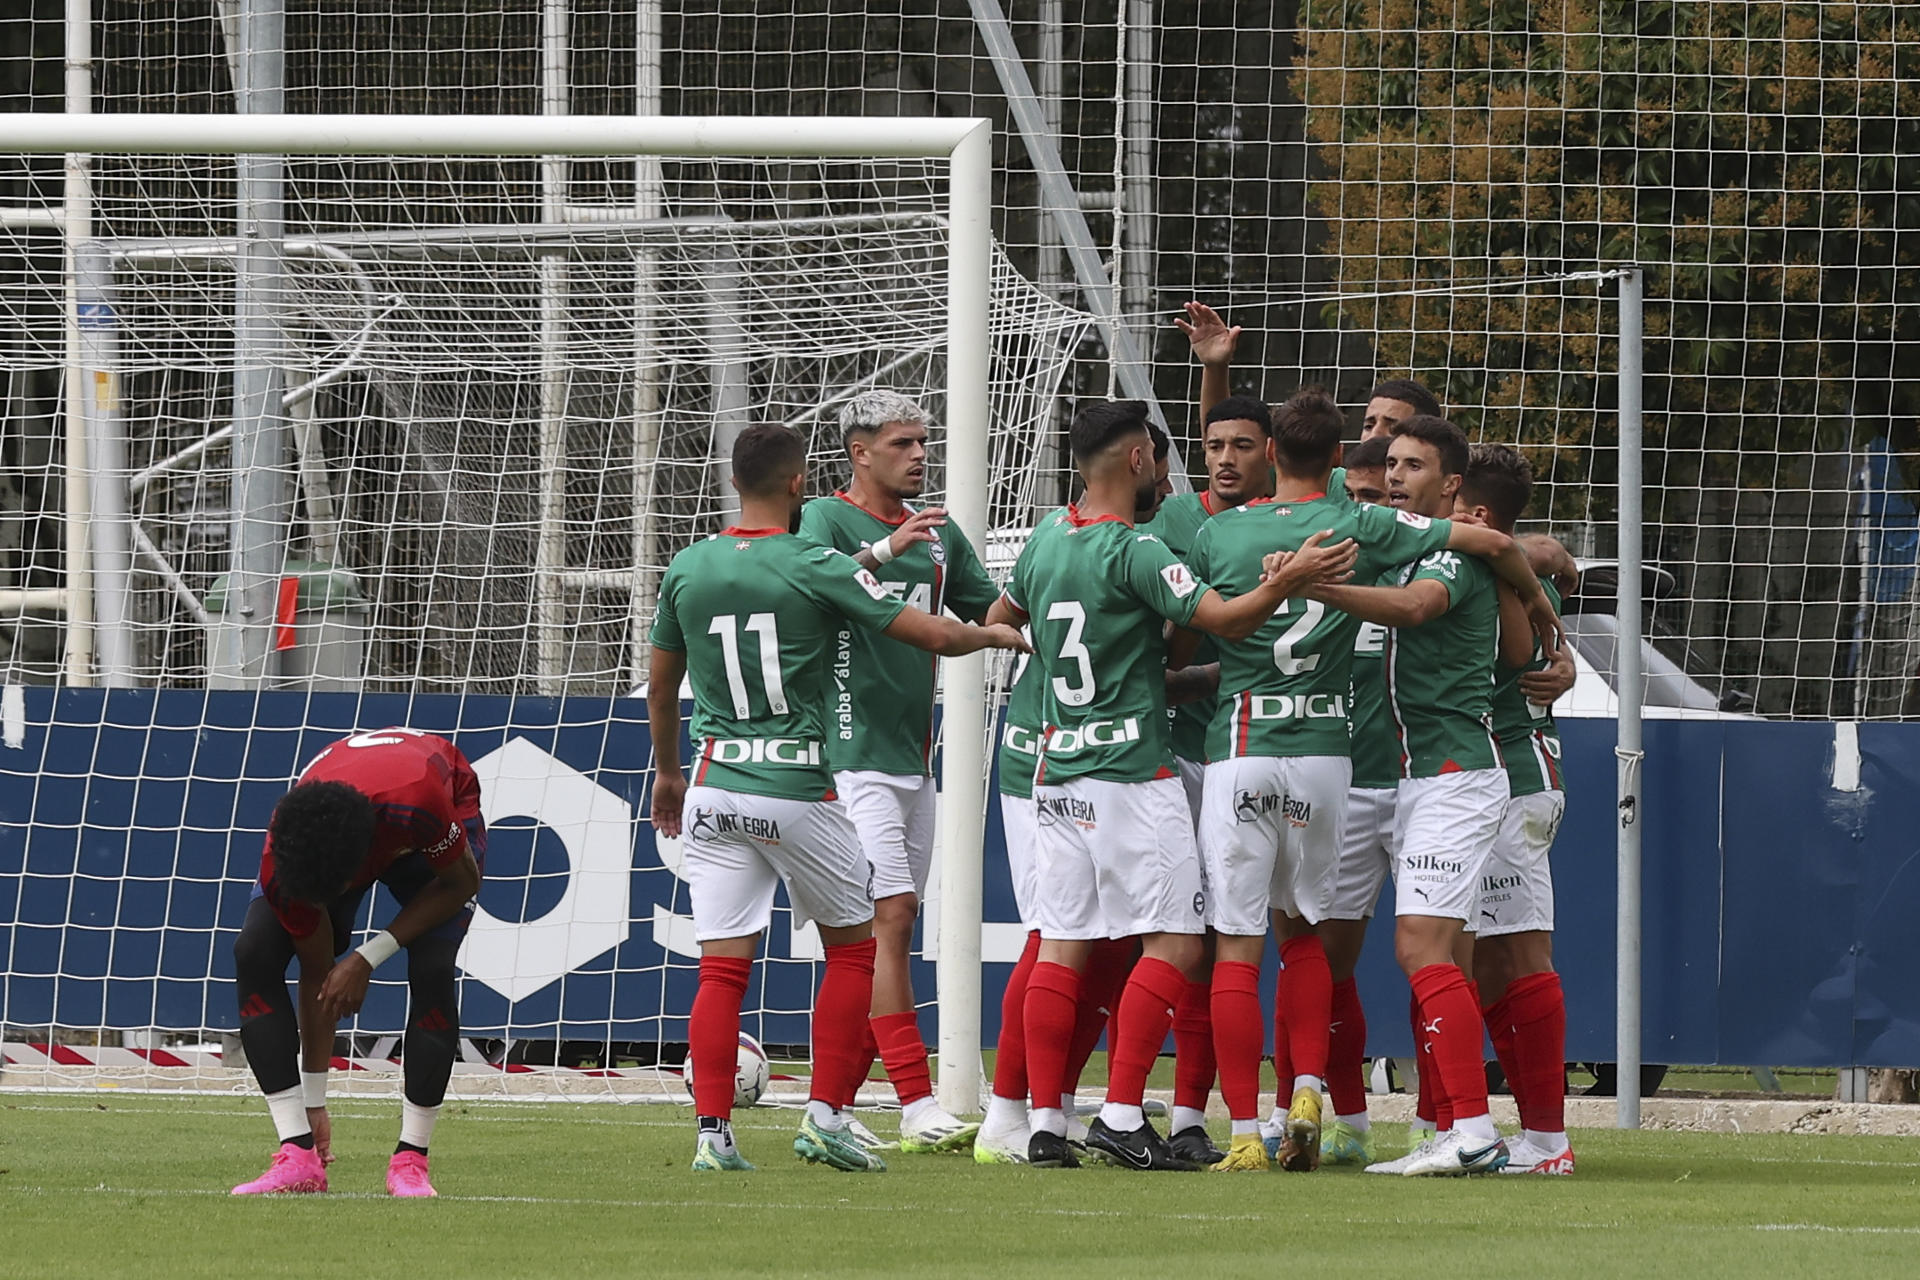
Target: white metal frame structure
[(965, 144)]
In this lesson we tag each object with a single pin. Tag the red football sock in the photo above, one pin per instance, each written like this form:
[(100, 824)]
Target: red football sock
[(1539, 1006), (1499, 1020), (1153, 990), (869, 1054), (1107, 968), (1238, 1033), (713, 1032), (1453, 1028), (1306, 992), (1010, 1054), (905, 1054), (1193, 1058), (1282, 1051), (1347, 1050), (1052, 991), (1426, 1104), (840, 1023)]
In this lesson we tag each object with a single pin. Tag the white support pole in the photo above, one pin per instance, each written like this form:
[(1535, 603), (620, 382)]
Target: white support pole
[(262, 478), (77, 223), (1629, 750), (550, 546), (728, 374), (963, 796), (649, 189), (108, 525)]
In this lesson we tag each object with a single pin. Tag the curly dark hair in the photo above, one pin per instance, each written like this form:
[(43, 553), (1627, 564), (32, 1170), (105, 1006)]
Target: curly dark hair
[(321, 832)]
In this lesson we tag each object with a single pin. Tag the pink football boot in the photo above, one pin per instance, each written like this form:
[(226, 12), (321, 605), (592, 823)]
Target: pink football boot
[(407, 1175), (295, 1170)]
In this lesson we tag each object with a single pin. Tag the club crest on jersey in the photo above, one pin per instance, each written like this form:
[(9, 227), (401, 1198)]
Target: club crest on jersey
[(742, 545), (1179, 580), (937, 550)]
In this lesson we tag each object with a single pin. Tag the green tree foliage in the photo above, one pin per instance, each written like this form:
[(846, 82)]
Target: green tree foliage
[(1761, 160)]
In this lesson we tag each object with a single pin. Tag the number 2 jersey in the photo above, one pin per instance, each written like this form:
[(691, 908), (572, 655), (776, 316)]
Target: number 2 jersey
[(1094, 593), (882, 711), (755, 611), (1286, 690), (423, 792)]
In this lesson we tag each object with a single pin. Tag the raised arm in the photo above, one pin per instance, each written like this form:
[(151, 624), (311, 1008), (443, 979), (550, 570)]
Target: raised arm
[(918, 527), (1551, 560), (1213, 344)]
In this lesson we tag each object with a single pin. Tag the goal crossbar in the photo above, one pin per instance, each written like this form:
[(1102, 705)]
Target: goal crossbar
[(965, 144)]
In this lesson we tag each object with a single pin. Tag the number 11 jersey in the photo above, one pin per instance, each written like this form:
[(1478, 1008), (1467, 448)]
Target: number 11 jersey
[(754, 610)]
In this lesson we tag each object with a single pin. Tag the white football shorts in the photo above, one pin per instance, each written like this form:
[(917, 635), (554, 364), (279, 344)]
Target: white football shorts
[(1193, 780), (1116, 859), (738, 847), (1516, 888), (1366, 853), (894, 815), (1443, 830), (1270, 836), (1017, 820)]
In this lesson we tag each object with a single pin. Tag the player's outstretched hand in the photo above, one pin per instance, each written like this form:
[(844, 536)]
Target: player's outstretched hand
[(669, 795), (322, 1127), (1212, 340), (921, 526), (1316, 562), (345, 988), (1001, 636)]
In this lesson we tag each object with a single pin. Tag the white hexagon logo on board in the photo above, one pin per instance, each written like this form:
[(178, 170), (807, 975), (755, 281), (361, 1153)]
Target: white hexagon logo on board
[(595, 826)]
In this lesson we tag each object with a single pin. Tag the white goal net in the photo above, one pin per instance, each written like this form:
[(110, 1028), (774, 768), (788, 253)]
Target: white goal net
[(496, 395)]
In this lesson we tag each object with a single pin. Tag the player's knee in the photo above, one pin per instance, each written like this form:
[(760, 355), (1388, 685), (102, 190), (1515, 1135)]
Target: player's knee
[(430, 970), (1184, 951), (1419, 941), (893, 916), (259, 957)]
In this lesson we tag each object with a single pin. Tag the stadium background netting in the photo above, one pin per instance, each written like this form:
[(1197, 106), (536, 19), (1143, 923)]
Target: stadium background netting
[(1369, 188)]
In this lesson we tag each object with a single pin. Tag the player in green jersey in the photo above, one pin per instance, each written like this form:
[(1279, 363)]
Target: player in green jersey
[(1452, 791), (880, 744), (1237, 437), (1116, 851), (746, 614), (1525, 1008), (1277, 781)]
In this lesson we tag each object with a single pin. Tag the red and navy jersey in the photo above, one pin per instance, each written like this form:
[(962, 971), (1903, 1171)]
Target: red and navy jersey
[(423, 792)]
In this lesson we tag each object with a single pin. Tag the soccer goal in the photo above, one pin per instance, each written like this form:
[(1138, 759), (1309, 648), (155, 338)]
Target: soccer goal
[(399, 420)]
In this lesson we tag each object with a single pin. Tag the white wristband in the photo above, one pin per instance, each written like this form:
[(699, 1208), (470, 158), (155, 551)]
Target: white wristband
[(882, 550), (313, 1084), (378, 949)]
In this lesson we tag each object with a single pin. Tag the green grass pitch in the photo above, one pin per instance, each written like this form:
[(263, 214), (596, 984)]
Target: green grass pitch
[(134, 1185)]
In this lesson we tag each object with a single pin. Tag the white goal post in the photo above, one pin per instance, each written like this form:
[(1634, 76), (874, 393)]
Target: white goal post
[(964, 145)]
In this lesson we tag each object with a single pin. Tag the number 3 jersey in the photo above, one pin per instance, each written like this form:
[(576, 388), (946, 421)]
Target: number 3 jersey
[(754, 610), (881, 716), (1094, 593), (1286, 690)]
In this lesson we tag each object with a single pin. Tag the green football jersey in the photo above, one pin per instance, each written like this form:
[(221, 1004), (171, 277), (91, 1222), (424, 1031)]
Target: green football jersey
[(1095, 593), (1529, 740), (1178, 524), (1025, 718), (1337, 486), (753, 610), (883, 689), (1284, 690), (1440, 674), (1374, 745)]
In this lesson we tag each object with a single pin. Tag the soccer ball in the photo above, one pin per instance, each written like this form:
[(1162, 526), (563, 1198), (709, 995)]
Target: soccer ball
[(750, 1072)]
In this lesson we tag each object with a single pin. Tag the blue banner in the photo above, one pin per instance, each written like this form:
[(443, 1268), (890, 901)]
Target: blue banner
[(1780, 890)]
